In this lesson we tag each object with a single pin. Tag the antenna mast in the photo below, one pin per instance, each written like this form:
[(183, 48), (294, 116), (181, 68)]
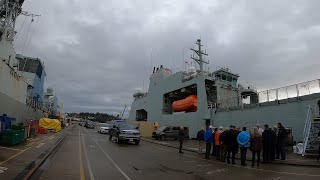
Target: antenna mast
[(9, 11), (200, 60)]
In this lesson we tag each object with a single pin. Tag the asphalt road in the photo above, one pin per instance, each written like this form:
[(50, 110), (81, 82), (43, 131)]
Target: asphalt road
[(88, 155)]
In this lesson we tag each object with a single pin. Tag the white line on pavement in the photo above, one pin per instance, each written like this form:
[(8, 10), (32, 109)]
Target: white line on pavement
[(10, 148), (119, 169), (87, 160)]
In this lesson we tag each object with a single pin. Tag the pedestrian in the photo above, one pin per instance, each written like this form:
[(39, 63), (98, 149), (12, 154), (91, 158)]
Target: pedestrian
[(282, 140), (209, 140), (223, 146), (231, 143), (273, 143), (214, 140), (181, 139), (256, 146), (200, 136), (319, 146), (266, 138), (260, 129), (217, 142), (244, 142)]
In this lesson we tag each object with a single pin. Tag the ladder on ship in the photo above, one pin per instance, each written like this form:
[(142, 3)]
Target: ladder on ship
[(310, 133)]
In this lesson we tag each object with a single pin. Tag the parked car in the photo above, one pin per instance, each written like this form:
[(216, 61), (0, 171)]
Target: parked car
[(165, 132), (103, 128), (123, 131)]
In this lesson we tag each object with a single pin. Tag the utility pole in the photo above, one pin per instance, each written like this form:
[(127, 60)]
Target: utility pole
[(200, 60)]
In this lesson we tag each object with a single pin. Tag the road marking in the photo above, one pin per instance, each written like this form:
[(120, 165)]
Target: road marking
[(264, 170), (119, 169), (82, 177), (22, 151), (10, 148), (87, 160), (39, 145)]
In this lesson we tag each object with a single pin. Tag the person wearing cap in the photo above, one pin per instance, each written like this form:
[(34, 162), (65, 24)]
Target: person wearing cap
[(208, 138), (217, 142)]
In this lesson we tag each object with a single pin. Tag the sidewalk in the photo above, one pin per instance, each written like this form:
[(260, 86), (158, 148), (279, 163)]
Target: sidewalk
[(19, 159), (192, 146)]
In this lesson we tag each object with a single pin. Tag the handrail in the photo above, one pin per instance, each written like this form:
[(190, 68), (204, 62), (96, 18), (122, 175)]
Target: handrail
[(306, 130)]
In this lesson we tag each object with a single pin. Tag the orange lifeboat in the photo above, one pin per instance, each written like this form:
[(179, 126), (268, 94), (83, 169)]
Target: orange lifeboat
[(188, 104)]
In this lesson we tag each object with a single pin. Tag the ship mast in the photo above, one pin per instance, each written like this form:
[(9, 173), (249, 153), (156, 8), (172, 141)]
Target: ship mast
[(200, 60), (9, 11)]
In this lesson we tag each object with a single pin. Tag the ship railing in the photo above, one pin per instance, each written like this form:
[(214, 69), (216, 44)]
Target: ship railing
[(35, 104), (306, 131), (292, 91)]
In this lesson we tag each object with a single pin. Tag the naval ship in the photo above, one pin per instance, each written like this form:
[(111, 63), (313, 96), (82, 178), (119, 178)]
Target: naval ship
[(21, 77), (196, 98)]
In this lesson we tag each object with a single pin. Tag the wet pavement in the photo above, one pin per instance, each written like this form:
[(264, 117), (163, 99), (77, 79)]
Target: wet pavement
[(85, 154)]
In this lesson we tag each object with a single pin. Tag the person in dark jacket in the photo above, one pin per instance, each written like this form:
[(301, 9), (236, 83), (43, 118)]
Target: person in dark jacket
[(200, 136), (256, 146), (181, 139), (266, 139), (282, 140), (273, 145), (223, 146), (237, 133), (231, 144), (213, 144), (209, 140)]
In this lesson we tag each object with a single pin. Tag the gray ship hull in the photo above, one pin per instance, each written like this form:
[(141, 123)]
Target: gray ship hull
[(222, 101), (18, 110)]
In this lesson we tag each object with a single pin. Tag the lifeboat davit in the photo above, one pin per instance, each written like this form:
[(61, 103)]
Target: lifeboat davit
[(188, 104)]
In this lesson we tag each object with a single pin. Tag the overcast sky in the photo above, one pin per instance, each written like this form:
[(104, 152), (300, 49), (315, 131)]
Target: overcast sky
[(98, 52)]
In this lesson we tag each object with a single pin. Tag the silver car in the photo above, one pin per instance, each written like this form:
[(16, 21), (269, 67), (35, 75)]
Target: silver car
[(104, 128)]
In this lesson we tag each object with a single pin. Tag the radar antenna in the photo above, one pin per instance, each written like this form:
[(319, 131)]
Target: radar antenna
[(200, 60)]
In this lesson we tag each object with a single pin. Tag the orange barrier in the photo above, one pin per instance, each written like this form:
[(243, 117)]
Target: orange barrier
[(188, 104)]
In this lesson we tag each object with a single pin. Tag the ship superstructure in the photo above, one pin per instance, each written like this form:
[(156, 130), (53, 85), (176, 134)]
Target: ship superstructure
[(221, 100), (21, 77)]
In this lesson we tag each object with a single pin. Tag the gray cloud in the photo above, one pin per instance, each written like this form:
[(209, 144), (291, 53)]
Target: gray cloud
[(97, 53)]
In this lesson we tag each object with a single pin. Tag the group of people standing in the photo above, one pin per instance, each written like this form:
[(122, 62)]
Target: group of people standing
[(224, 143)]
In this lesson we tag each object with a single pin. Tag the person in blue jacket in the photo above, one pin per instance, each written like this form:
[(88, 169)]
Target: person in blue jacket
[(208, 138), (244, 142)]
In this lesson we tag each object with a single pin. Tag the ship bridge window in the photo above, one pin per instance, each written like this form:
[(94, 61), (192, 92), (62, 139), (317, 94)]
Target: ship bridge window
[(229, 78), (224, 77)]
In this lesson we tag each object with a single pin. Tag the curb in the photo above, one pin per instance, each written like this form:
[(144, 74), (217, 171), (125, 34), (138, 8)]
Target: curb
[(194, 151)]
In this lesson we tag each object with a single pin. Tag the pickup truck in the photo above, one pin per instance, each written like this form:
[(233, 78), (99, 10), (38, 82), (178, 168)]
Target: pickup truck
[(123, 131)]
